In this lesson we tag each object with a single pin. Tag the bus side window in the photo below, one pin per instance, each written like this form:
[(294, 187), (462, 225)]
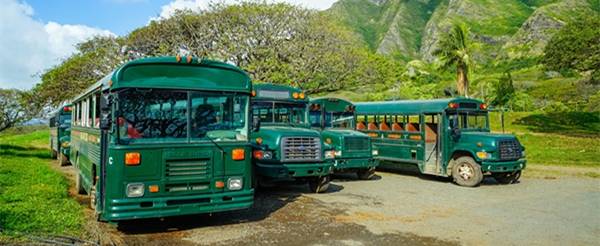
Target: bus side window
[(372, 126)]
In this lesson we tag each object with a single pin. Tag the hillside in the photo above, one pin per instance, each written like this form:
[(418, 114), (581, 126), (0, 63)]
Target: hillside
[(408, 30)]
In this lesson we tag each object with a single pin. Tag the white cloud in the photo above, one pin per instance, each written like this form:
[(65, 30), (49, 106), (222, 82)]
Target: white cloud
[(30, 46), (170, 8)]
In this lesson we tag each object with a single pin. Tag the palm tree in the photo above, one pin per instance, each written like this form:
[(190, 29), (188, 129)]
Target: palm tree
[(455, 48)]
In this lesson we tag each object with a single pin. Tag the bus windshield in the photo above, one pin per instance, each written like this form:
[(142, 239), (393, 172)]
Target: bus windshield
[(149, 116), (65, 119), (471, 120), (332, 119), (280, 112)]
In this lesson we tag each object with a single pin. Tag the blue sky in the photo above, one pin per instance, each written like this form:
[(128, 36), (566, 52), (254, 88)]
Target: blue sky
[(37, 34)]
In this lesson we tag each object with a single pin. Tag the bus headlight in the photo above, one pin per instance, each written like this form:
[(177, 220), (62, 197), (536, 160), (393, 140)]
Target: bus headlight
[(262, 154), (135, 190), (523, 154), (329, 154), (484, 155), (375, 152), (338, 153), (235, 183)]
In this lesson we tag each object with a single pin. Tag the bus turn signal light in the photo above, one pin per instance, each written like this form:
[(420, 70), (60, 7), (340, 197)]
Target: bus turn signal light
[(132, 158), (295, 95), (154, 188), (302, 95), (220, 184), (238, 154)]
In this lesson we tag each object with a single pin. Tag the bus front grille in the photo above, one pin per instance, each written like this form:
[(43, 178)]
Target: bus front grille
[(356, 143), (298, 149), (509, 150), (187, 169)]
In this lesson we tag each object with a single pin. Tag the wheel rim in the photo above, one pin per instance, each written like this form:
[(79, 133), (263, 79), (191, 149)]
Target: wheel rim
[(465, 172)]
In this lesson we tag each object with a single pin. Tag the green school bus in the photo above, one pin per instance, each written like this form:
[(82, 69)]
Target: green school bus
[(164, 136), (60, 134), (284, 147), (443, 137), (334, 119)]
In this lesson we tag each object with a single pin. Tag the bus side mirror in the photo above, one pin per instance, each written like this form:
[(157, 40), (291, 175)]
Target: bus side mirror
[(105, 102), (255, 124), (455, 129)]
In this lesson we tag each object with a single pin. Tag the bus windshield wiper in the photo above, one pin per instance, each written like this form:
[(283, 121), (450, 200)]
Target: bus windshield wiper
[(215, 143)]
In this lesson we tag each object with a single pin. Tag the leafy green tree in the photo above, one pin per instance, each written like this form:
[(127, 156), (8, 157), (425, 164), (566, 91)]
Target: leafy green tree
[(575, 48), (454, 49), (504, 90), (12, 109)]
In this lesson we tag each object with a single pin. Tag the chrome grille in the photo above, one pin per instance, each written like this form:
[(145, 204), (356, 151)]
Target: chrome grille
[(297, 149), (356, 143), (509, 150)]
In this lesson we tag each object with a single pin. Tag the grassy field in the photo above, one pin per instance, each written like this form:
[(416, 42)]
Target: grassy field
[(33, 196)]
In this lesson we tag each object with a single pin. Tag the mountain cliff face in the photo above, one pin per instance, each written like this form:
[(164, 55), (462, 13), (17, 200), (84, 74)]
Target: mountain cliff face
[(408, 29)]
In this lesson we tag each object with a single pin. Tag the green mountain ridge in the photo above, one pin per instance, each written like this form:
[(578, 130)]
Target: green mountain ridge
[(507, 29)]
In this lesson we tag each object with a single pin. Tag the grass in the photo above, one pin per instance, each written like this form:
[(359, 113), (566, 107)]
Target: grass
[(33, 196)]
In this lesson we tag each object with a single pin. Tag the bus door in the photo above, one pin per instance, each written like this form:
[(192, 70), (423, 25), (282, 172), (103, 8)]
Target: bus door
[(431, 128)]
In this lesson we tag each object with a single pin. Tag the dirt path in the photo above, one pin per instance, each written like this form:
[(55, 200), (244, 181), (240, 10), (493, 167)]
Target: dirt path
[(396, 208)]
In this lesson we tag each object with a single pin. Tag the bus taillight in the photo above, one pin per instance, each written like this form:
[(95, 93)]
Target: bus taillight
[(483, 106)]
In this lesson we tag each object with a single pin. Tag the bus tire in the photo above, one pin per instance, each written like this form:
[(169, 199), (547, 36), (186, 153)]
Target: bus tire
[(466, 172), (78, 185), (63, 160), (320, 184), (54, 153), (366, 173), (507, 178)]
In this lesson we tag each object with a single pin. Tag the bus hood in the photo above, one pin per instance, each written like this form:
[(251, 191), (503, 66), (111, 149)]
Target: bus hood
[(485, 136)]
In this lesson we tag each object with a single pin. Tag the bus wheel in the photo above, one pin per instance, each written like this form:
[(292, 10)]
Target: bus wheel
[(319, 185), (78, 186), (93, 198), (63, 160), (54, 153), (507, 178), (366, 173), (466, 172)]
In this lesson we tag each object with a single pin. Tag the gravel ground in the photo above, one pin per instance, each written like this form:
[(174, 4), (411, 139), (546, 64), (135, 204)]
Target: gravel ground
[(397, 207)]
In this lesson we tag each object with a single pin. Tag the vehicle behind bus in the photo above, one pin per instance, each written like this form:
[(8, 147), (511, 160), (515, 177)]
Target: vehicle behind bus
[(284, 146), (164, 136), (60, 134), (334, 119), (444, 137)]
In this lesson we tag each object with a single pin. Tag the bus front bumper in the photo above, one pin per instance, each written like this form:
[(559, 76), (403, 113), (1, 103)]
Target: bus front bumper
[(293, 170), (355, 163), (499, 167), (141, 208)]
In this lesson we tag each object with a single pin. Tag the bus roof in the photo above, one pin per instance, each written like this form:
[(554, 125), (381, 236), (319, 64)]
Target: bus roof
[(170, 72), (273, 92), (415, 106)]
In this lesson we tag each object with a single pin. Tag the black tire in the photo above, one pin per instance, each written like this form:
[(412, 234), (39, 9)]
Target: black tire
[(507, 178), (78, 184), (319, 185), (366, 173), (466, 172), (54, 153), (63, 160)]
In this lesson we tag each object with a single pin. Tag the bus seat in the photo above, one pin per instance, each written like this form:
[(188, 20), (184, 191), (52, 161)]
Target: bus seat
[(430, 132), (396, 127), (360, 126), (383, 126), (342, 125), (412, 127), (372, 126)]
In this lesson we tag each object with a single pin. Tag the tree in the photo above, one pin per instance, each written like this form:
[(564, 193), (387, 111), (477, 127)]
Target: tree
[(272, 42), (575, 49), (504, 91), (454, 48), (11, 109)]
